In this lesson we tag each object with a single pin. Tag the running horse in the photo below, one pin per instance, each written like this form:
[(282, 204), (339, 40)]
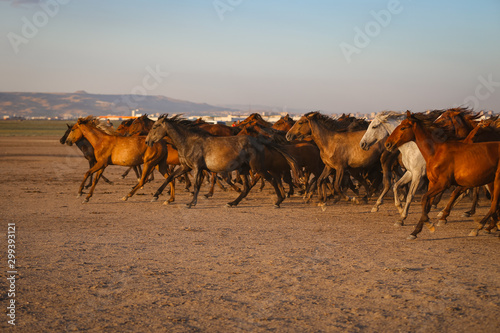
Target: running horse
[(380, 128), (117, 150), (450, 163), (339, 150), (199, 151), (88, 152)]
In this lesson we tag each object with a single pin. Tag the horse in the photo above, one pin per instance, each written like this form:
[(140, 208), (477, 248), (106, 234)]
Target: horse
[(305, 153), (459, 120), (450, 163), (217, 129), (284, 123), (339, 150), (117, 150), (380, 128), (88, 152), (252, 118), (199, 150)]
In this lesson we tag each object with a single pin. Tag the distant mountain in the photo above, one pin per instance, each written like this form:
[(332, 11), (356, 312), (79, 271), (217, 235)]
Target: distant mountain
[(81, 103)]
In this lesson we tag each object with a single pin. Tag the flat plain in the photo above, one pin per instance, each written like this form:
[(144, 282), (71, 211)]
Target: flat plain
[(139, 266)]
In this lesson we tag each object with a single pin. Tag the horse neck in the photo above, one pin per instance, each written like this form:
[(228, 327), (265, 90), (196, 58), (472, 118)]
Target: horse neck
[(320, 134), (178, 135), (93, 135), (425, 142)]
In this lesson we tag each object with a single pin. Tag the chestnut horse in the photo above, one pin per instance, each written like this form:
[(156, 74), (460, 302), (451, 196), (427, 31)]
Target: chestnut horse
[(88, 152), (117, 150), (284, 123), (199, 150), (450, 163)]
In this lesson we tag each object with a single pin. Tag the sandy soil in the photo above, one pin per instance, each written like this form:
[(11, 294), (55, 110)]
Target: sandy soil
[(138, 266)]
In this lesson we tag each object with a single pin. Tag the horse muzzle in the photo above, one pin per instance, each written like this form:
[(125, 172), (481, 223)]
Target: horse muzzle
[(390, 146)]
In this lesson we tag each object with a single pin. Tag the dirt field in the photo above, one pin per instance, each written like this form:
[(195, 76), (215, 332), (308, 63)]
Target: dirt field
[(138, 266)]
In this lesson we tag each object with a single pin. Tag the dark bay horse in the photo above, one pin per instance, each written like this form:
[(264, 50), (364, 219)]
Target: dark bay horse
[(284, 123), (255, 117), (88, 152), (339, 149), (216, 129), (199, 151), (450, 163), (117, 150)]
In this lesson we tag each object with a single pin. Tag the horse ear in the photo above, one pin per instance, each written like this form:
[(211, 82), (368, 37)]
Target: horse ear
[(68, 125), (408, 114)]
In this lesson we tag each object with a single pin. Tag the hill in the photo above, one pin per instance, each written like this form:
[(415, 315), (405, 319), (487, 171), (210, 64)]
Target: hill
[(81, 103)]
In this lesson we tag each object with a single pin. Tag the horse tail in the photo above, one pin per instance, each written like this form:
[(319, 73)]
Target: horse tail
[(290, 159)]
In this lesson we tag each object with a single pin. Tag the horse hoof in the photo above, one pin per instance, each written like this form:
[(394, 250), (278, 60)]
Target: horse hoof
[(411, 237), (125, 198), (440, 214), (275, 206), (473, 233), (79, 195), (154, 199), (375, 209), (467, 214), (230, 205), (432, 228), (398, 224), (85, 201)]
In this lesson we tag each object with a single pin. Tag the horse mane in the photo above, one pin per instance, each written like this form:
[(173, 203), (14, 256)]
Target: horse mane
[(385, 116), (427, 120), (189, 125), (96, 123), (346, 124), (127, 122)]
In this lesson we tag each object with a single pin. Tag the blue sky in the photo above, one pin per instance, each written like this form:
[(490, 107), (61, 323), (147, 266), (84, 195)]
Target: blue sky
[(424, 55)]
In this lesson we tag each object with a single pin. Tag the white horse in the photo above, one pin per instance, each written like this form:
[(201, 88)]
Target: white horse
[(380, 128)]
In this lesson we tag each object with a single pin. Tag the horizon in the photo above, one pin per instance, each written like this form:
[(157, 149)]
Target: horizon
[(331, 56)]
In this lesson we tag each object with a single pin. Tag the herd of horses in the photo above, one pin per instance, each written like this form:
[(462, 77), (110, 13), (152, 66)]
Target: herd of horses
[(317, 155)]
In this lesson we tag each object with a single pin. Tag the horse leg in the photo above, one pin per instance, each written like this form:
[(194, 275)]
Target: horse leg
[(89, 173), (287, 178), (243, 193), (415, 183), (164, 171), (198, 180), (212, 186), (434, 189), (138, 171), (94, 183), (322, 186), (475, 199), (126, 172), (148, 167), (177, 172), (402, 181), (495, 186), (446, 211)]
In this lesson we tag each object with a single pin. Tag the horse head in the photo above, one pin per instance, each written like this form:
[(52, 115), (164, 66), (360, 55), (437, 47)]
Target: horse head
[(74, 135), (301, 129), (402, 134), (158, 131)]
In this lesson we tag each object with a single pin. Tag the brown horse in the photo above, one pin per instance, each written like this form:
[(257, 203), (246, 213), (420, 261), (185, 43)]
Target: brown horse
[(305, 153), (216, 129), (450, 163), (199, 150), (459, 120), (117, 150), (254, 117), (340, 151), (284, 123), (88, 152)]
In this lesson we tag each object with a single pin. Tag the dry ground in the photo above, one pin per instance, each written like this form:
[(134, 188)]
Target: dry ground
[(138, 266)]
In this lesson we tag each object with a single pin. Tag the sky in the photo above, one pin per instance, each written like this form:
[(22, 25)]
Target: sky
[(327, 55)]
